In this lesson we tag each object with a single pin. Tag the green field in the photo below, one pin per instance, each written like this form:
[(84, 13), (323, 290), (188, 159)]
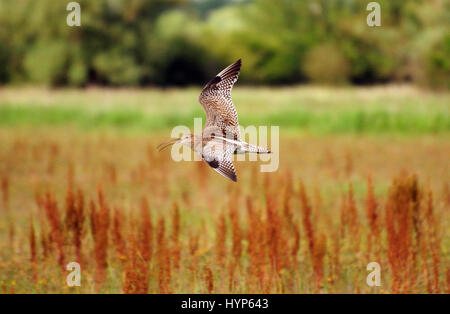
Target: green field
[(316, 110)]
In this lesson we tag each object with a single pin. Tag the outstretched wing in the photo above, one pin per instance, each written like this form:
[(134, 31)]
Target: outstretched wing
[(216, 100), (218, 155)]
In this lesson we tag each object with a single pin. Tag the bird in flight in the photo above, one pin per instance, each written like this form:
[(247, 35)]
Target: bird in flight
[(220, 137)]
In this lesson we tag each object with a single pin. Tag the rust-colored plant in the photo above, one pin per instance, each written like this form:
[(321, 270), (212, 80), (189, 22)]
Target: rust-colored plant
[(316, 244), (33, 251), (236, 233), (163, 254), (117, 234), (221, 236), (146, 233), (400, 228), (53, 216), (99, 228), (175, 237), (372, 217), (4, 187), (74, 219), (136, 270), (209, 279)]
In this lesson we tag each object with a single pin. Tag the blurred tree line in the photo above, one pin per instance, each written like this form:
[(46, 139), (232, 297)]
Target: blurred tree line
[(179, 42)]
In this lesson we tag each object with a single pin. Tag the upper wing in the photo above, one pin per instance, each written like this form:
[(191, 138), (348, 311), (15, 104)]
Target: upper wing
[(218, 154), (216, 99)]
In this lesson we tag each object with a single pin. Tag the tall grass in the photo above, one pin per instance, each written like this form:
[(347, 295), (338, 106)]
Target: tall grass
[(272, 249), (156, 226)]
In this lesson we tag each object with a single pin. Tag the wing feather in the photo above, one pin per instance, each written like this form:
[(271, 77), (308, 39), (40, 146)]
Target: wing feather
[(218, 155), (216, 100)]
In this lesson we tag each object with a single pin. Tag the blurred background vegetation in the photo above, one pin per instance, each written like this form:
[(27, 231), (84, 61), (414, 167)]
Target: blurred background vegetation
[(184, 42)]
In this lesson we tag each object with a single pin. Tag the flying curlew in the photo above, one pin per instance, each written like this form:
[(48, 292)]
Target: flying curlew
[(220, 138)]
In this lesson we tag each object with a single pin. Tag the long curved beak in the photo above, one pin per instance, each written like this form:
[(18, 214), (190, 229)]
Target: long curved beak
[(164, 145)]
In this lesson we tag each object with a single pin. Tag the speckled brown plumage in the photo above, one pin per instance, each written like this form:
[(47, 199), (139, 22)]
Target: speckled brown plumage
[(218, 154), (220, 138), (221, 116)]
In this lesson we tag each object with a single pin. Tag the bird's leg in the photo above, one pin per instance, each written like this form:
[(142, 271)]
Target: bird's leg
[(249, 148)]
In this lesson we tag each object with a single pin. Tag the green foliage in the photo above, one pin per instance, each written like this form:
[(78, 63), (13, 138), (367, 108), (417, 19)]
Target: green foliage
[(179, 42), (116, 68), (437, 62), (46, 62), (77, 74), (4, 75)]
